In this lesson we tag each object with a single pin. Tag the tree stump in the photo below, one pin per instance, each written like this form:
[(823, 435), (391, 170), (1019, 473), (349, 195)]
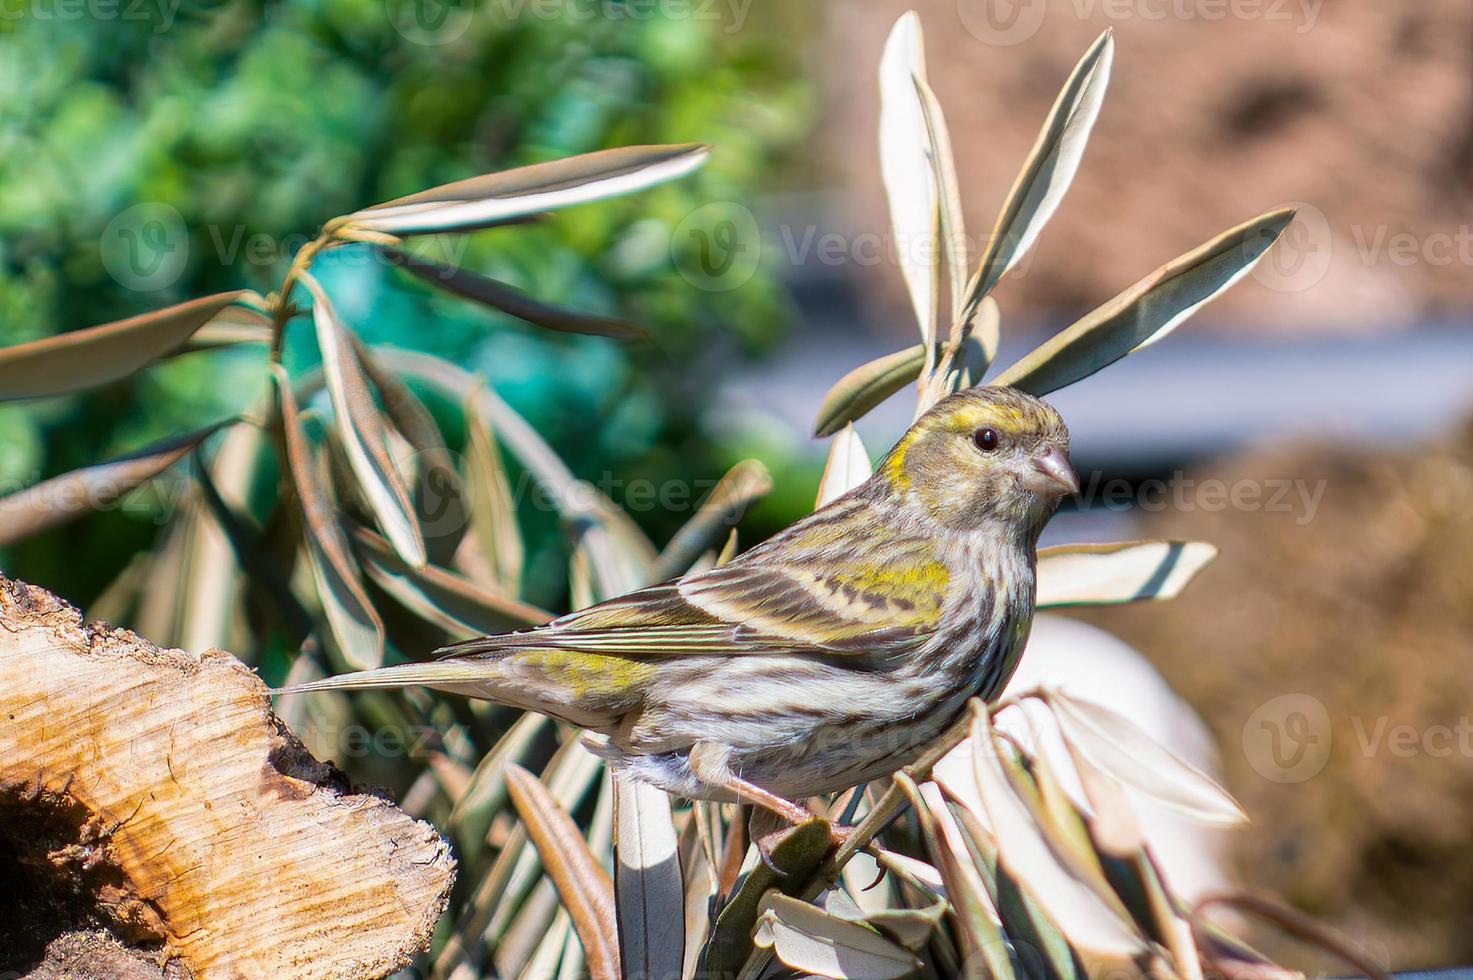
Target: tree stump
[(157, 820)]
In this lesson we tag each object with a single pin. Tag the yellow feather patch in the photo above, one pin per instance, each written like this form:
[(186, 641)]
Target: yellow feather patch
[(587, 675)]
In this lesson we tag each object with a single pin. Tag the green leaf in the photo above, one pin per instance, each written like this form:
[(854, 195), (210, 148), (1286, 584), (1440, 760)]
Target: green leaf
[(1147, 311), (512, 301), (619, 551), (1111, 574), (355, 625), (1049, 170), (647, 881), (495, 197), (1123, 751), (66, 497), (812, 941), (581, 881), (361, 431), (87, 358)]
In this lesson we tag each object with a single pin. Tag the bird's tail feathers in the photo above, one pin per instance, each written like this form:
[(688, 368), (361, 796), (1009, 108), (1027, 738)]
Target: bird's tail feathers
[(434, 673)]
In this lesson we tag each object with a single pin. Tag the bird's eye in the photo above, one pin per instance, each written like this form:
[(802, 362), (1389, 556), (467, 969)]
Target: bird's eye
[(985, 439)]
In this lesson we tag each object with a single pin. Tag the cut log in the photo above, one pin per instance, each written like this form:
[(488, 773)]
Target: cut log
[(152, 805)]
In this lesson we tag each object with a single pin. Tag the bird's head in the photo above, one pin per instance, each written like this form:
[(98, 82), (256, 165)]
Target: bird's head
[(983, 455)]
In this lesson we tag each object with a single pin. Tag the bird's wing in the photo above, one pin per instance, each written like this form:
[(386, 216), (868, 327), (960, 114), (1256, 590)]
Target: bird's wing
[(880, 599)]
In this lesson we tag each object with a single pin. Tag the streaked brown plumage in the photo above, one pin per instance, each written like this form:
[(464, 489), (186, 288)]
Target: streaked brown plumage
[(831, 653)]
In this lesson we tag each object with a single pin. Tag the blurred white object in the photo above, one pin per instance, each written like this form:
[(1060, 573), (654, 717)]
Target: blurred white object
[(1091, 664)]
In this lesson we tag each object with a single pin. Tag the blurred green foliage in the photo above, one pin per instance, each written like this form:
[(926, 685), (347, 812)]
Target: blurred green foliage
[(222, 136)]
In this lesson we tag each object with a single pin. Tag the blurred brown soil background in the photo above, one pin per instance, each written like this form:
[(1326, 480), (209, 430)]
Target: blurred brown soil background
[(1367, 609), (1358, 111)]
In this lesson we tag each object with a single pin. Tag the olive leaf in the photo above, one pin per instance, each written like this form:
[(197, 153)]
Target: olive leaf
[(493, 511), (1118, 747), (859, 391), (495, 197), (910, 186), (511, 301), (584, 886), (361, 431), (647, 881), (96, 355), (848, 466), (724, 505), (350, 616), (441, 596), (853, 395), (966, 893), (1049, 169), (440, 503), (66, 497), (1148, 310), (1111, 574), (953, 235), (1094, 928), (812, 941)]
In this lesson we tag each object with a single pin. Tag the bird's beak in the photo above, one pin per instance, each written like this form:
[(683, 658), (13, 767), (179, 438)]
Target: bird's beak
[(1058, 476)]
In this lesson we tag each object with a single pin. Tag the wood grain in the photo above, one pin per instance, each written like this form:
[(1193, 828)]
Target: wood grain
[(177, 802)]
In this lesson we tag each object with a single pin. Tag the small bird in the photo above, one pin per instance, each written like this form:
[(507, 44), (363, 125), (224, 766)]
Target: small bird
[(828, 655)]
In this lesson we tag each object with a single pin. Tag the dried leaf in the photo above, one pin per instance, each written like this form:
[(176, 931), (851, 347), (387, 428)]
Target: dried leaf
[(87, 358), (810, 940), (647, 881), (1110, 574), (512, 301), (495, 197), (355, 625), (1147, 311), (361, 430), (66, 497), (582, 883), (848, 467), (1123, 751), (910, 185), (1049, 170)]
